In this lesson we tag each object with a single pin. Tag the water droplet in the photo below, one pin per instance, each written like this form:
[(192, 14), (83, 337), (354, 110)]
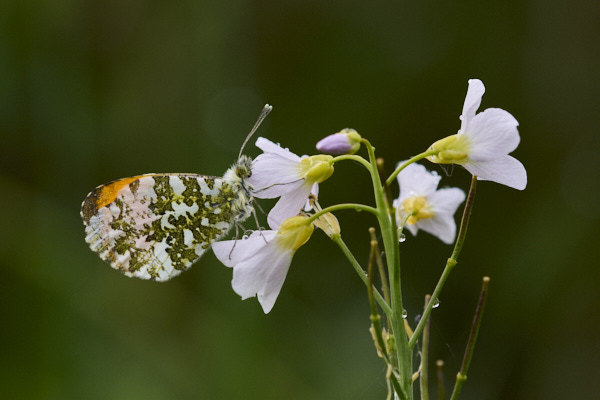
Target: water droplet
[(404, 313), (402, 237), (436, 303)]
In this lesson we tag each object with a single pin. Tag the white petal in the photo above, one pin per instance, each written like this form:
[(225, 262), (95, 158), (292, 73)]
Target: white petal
[(415, 180), (250, 274), (414, 228), (232, 252), (270, 290), (472, 102), (262, 275), (269, 147), (315, 190), (506, 170), (289, 205), (493, 133), (273, 175), (444, 204), (442, 226), (446, 201)]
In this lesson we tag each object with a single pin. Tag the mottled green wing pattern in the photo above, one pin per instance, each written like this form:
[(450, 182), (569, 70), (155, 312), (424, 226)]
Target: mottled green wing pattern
[(154, 226)]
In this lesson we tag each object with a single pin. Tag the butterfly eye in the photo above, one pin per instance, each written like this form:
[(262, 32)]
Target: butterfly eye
[(242, 171)]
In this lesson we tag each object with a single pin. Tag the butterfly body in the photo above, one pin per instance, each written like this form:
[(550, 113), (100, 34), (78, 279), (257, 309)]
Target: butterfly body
[(155, 226)]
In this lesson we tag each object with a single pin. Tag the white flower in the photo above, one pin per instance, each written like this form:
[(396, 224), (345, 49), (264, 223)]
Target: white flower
[(280, 173), (483, 142), (424, 207), (261, 262)]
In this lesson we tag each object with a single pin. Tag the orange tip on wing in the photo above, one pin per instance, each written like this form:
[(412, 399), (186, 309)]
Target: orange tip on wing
[(104, 195)]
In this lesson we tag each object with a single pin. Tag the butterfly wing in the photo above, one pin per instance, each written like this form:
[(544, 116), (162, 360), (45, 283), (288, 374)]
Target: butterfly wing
[(154, 226)]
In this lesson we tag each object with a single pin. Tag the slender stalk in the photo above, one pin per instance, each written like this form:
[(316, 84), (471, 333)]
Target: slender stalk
[(439, 367), (464, 223), (358, 159), (384, 283), (375, 318), (407, 163), (343, 206), (376, 329), (390, 242), (386, 187), (461, 377), (361, 273), (450, 263), (424, 381)]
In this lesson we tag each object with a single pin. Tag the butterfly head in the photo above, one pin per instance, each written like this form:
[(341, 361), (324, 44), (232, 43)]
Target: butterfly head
[(238, 175), (243, 167)]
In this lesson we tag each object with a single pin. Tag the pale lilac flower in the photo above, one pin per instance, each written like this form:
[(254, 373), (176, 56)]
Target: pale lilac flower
[(347, 141), (280, 173), (483, 142), (261, 262), (422, 206)]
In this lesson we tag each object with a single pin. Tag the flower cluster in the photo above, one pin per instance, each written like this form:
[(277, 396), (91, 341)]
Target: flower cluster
[(261, 261)]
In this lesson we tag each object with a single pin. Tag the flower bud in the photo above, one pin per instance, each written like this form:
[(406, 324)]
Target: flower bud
[(294, 232), (453, 149), (317, 169), (347, 141)]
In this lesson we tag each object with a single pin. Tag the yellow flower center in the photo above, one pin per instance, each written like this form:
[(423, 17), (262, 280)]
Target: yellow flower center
[(418, 208), (294, 232), (316, 169), (451, 150)]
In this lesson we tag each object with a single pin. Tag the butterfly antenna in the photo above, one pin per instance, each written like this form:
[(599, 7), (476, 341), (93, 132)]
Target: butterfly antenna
[(263, 114)]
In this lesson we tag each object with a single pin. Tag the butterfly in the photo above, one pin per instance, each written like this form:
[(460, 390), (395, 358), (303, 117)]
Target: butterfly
[(154, 226)]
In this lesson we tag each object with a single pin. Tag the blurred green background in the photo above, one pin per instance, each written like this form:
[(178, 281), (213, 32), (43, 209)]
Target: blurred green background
[(92, 91)]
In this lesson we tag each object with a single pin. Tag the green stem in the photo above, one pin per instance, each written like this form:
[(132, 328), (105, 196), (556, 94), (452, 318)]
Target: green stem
[(424, 381), (361, 273), (344, 206), (389, 235), (464, 223), (461, 377), (439, 368), (384, 284), (358, 159), (436, 293), (408, 162), (376, 318), (450, 264)]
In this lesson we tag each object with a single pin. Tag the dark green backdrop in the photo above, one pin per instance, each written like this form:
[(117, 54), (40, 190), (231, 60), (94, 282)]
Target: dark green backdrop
[(91, 91)]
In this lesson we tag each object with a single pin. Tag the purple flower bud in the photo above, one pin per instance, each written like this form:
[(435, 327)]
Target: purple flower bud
[(346, 141)]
